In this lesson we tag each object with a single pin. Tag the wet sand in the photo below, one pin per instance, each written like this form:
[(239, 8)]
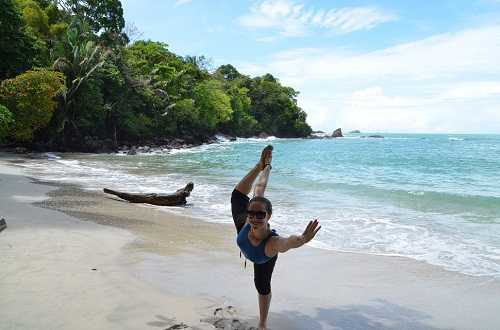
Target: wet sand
[(79, 259)]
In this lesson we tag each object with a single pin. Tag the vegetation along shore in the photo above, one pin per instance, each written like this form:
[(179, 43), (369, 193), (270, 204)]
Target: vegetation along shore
[(72, 79)]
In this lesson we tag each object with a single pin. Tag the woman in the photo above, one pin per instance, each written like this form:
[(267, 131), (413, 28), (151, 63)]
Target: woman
[(256, 240)]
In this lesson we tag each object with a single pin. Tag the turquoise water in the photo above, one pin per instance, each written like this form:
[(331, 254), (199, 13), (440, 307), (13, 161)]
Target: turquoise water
[(434, 198)]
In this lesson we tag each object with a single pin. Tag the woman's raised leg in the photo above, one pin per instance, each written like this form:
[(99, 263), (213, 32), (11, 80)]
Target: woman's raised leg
[(245, 185)]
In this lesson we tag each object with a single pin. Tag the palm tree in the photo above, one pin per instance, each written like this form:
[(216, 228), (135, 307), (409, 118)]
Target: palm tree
[(78, 66)]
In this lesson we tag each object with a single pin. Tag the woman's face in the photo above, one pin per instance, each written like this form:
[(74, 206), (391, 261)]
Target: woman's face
[(257, 215)]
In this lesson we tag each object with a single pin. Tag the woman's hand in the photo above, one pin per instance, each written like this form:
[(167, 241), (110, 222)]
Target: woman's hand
[(310, 231), (265, 157), (279, 244)]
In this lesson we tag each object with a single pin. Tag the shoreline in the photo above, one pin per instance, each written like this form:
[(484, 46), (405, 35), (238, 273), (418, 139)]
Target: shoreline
[(60, 272), (130, 148), (173, 257)]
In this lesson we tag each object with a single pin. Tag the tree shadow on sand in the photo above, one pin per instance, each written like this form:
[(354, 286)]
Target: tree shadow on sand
[(379, 315)]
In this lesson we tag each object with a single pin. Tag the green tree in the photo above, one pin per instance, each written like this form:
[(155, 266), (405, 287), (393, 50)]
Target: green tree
[(46, 25), (16, 48), (34, 16), (275, 107), (31, 98), (78, 66), (242, 122), (182, 120), (213, 104), (228, 72), (105, 18), (129, 106), (155, 67), (6, 120), (162, 78)]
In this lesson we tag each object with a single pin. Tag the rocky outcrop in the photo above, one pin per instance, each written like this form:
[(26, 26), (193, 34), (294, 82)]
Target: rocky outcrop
[(337, 133), (354, 132), (224, 137), (21, 150), (263, 135)]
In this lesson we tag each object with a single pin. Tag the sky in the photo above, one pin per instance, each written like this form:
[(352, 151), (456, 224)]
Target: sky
[(417, 66)]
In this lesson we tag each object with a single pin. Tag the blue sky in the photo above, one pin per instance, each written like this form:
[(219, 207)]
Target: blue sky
[(388, 66)]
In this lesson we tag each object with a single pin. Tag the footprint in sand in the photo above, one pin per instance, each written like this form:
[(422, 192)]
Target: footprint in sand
[(226, 318), (223, 318), (178, 326), (163, 321)]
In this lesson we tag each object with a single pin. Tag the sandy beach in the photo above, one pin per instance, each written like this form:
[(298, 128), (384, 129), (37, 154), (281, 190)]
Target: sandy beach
[(77, 259)]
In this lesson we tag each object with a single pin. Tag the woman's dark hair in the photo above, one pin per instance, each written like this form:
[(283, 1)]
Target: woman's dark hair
[(267, 203)]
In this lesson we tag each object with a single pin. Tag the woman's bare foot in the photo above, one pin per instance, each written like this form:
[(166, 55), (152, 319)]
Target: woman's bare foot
[(266, 157)]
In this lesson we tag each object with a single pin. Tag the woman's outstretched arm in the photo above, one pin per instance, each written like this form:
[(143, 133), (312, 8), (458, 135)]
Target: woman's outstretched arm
[(245, 185), (282, 244)]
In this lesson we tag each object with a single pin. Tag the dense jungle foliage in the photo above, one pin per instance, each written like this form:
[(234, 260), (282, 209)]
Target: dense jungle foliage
[(72, 80)]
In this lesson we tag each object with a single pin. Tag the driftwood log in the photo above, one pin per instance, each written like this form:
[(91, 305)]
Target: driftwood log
[(3, 224), (175, 199)]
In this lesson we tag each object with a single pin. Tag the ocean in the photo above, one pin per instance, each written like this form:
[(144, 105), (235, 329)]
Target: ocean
[(433, 198)]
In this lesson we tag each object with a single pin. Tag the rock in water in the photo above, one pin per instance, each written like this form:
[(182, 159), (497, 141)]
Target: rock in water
[(337, 133), (20, 150), (356, 131), (263, 135), (3, 224)]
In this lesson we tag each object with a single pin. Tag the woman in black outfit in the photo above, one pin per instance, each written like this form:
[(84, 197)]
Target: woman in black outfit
[(256, 240)]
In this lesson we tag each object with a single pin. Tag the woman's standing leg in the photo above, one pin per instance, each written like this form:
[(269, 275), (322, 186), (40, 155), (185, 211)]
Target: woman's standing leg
[(262, 278)]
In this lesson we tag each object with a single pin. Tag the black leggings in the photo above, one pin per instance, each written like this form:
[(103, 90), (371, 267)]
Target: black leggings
[(262, 273)]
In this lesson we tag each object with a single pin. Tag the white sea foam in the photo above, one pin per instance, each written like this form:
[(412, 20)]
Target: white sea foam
[(256, 139), (384, 237)]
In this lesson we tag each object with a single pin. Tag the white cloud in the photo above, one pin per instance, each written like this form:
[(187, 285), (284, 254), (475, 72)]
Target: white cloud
[(182, 2), (266, 39), (481, 89), (353, 19), (372, 110), (468, 51), (294, 19), (447, 82)]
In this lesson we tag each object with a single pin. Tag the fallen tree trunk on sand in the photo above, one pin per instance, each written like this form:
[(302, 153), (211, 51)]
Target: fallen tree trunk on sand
[(3, 224), (175, 199)]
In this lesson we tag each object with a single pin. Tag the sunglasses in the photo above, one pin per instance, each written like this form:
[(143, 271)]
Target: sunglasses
[(257, 214)]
